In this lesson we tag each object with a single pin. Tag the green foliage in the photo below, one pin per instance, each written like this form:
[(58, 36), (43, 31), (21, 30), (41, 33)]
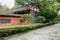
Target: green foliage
[(48, 10), (13, 30), (40, 19), (3, 9), (7, 31), (26, 16), (24, 3), (58, 1), (50, 15), (58, 18)]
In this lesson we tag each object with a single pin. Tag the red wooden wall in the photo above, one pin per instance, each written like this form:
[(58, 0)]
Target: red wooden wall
[(14, 21)]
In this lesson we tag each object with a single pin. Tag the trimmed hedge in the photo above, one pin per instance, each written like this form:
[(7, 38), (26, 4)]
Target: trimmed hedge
[(13, 30), (7, 31)]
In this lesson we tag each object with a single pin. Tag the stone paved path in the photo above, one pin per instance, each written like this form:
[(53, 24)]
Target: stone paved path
[(46, 33)]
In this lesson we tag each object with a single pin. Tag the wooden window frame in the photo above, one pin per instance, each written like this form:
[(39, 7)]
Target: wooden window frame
[(5, 21)]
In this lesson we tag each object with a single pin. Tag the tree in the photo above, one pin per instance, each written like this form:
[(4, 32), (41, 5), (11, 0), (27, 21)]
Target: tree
[(24, 3), (26, 18), (58, 1), (48, 10), (3, 9)]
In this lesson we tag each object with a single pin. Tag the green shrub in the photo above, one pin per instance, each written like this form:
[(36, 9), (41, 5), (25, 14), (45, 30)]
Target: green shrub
[(13, 30), (7, 31), (40, 19)]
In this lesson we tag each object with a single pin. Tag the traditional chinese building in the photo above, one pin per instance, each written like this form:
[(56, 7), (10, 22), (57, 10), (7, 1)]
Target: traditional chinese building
[(13, 17)]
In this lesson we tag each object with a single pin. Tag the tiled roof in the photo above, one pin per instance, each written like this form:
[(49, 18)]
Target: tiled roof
[(10, 12), (6, 14)]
